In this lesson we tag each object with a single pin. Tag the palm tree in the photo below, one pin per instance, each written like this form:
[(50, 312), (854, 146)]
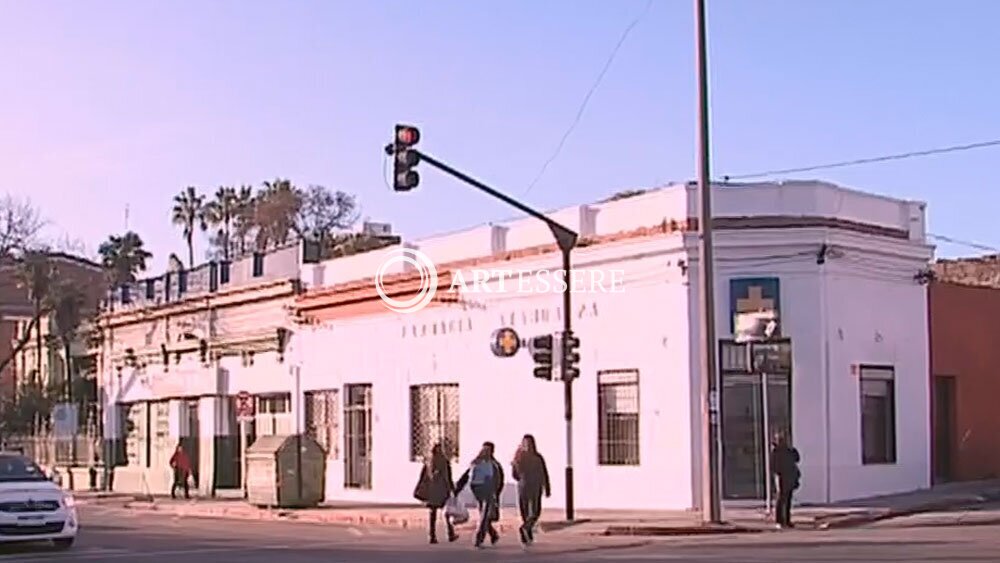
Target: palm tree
[(123, 257), (67, 303), (244, 219), (189, 214), (278, 205), (220, 214), (36, 274)]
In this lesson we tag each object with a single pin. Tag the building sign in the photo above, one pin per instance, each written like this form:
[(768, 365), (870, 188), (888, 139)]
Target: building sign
[(754, 295), (505, 343)]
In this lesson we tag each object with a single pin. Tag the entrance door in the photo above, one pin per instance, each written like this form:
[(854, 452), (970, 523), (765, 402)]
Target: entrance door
[(755, 403), (358, 436), (944, 428), (191, 440)]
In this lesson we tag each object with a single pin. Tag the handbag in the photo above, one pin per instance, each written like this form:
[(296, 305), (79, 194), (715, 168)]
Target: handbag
[(421, 492), (456, 511)]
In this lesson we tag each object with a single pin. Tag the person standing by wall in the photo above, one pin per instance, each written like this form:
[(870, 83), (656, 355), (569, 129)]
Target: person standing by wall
[(485, 477), (785, 467), (532, 476), (434, 488), (181, 464)]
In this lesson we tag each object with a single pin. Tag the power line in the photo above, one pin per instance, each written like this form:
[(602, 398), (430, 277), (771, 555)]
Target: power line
[(856, 162), (586, 99), (960, 242)]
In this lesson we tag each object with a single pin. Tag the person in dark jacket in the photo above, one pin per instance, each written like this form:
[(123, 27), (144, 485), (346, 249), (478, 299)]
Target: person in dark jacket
[(485, 477), (181, 465), (785, 467), (435, 488), (532, 476)]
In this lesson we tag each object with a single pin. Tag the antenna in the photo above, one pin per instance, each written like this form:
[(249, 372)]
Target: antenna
[(126, 217)]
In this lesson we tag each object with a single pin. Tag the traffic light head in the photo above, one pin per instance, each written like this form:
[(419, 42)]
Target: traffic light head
[(571, 356), (405, 159), (541, 352)]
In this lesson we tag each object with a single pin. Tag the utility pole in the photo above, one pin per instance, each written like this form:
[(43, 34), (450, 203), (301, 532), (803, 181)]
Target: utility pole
[(710, 504)]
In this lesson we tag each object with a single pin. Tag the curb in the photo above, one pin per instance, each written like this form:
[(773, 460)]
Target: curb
[(379, 520), (854, 520), (678, 530)]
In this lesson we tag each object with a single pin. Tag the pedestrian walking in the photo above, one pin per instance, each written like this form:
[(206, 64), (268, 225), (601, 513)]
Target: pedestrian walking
[(434, 488), (785, 467), (532, 476), (485, 477), (181, 464)]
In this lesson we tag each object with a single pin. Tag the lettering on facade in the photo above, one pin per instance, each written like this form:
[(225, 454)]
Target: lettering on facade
[(543, 316), (441, 328)]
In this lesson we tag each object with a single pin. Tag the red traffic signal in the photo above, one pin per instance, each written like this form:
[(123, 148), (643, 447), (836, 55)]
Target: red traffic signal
[(404, 177), (407, 135)]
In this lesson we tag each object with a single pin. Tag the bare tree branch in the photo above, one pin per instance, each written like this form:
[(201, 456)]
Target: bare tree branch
[(20, 224)]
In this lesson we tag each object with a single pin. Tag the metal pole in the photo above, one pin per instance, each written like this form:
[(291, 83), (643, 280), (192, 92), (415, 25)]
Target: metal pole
[(568, 381), (767, 443), (298, 431), (710, 505), (243, 455)]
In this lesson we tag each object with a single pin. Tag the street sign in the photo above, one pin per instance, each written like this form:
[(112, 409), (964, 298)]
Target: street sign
[(244, 406), (505, 343)]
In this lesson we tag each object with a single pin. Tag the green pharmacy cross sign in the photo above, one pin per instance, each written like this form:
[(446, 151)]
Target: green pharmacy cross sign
[(505, 342)]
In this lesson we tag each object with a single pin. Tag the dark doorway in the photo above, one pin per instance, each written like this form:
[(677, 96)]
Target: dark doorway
[(756, 402), (943, 409)]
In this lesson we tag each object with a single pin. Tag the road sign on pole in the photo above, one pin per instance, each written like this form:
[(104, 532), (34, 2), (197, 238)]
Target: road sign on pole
[(244, 406)]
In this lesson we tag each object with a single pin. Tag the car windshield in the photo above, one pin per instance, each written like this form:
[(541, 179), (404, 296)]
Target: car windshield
[(16, 468)]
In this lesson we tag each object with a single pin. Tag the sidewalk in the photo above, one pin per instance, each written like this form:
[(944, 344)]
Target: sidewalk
[(595, 522)]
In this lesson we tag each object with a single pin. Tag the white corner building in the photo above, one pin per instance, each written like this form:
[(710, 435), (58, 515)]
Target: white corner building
[(843, 272)]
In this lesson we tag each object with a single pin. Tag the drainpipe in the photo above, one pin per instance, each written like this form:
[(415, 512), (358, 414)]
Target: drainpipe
[(825, 354)]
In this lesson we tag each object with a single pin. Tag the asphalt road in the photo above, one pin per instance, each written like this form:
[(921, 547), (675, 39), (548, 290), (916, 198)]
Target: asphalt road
[(111, 534)]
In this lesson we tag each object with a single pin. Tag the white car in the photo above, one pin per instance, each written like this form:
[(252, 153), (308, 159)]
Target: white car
[(32, 507)]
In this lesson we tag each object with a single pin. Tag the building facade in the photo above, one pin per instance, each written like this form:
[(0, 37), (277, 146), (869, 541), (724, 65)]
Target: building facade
[(847, 375), (176, 350), (964, 302)]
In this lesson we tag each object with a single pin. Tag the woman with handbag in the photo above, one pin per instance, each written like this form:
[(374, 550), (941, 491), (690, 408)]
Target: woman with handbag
[(485, 477), (434, 488)]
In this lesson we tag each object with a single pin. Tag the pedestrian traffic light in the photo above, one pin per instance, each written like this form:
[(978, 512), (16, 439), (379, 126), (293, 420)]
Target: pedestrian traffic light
[(571, 356), (404, 159), (541, 352)]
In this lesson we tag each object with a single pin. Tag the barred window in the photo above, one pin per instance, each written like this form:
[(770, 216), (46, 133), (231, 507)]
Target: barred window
[(321, 420), (618, 417), (433, 419)]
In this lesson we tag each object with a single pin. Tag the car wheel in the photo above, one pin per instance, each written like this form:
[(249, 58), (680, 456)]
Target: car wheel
[(63, 543)]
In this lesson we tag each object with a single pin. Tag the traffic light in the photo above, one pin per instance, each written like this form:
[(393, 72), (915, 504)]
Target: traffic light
[(571, 356), (404, 159), (541, 352)]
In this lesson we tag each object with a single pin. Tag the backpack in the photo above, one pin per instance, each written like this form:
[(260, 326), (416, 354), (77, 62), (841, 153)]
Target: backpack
[(482, 472)]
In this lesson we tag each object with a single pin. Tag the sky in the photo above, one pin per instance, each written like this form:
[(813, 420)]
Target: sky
[(107, 106)]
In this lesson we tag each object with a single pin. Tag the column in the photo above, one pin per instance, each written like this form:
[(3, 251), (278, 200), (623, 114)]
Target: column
[(208, 417)]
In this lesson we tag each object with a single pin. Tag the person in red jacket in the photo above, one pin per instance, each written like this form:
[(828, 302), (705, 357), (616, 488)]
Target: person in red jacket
[(181, 464)]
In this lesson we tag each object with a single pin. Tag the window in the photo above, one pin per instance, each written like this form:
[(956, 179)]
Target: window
[(258, 264), (223, 273), (274, 404), (433, 420), (150, 289), (321, 420), (182, 282), (213, 276), (618, 417), (166, 287), (878, 415), (126, 295)]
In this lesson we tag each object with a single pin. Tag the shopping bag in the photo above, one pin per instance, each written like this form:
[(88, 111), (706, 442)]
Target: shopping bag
[(456, 511)]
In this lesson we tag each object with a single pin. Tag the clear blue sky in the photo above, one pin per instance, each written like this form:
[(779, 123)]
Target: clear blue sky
[(104, 104)]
